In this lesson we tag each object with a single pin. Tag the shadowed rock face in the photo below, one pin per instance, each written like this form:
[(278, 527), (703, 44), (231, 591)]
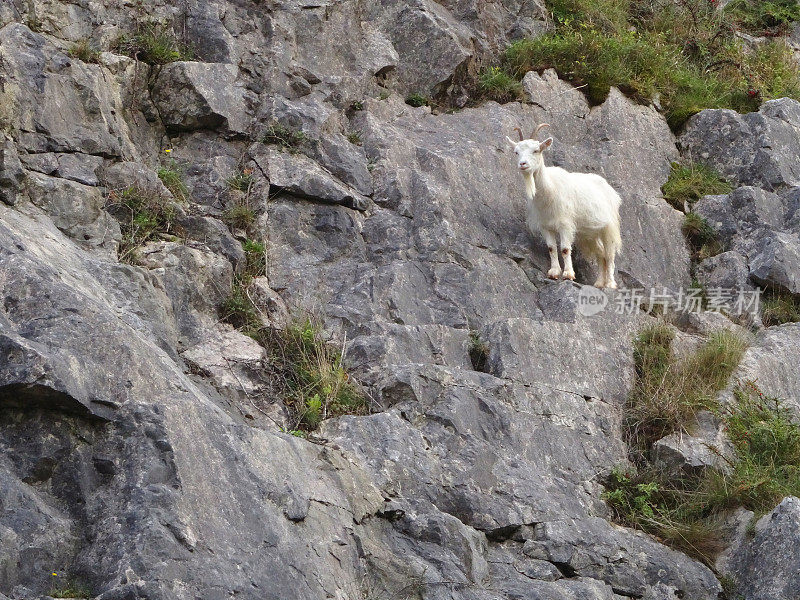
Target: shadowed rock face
[(143, 452)]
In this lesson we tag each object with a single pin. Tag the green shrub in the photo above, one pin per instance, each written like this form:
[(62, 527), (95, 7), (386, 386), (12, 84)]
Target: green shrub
[(172, 178), (315, 384), (497, 84), (686, 55), (778, 308), (478, 352), (83, 50), (417, 100), (291, 139), (668, 393), (155, 44), (689, 182), (239, 216), (141, 217), (69, 587), (354, 138)]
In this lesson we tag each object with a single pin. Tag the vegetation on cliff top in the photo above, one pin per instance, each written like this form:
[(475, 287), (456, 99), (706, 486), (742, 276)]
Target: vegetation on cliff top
[(684, 55)]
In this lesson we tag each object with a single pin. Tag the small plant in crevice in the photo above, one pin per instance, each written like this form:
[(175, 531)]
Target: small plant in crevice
[(241, 180), (497, 84), (313, 381), (689, 182), (84, 51), (779, 307), (142, 215), (285, 137), (416, 100), (239, 309), (255, 258), (154, 43), (354, 138), (171, 175), (68, 587), (701, 236), (356, 105), (478, 352)]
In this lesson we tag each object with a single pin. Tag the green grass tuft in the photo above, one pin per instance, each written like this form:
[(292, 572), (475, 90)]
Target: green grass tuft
[(778, 308), (499, 85), (702, 237), (290, 139), (155, 44), (354, 138), (315, 384), (478, 352), (769, 18), (689, 182), (141, 217), (84, 51), (242, 180), (172, 178)]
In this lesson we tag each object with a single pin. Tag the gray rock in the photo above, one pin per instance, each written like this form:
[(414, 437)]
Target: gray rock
[(745, 211), (78, 167), (727, 270), (631, 563), (11, 173), (775, 262), (298, 175), (705, 446), (214, 235), (195, 280), (758, 149), (194, 95), (76, 209), (765, 362), (120, 176), (768, 566)]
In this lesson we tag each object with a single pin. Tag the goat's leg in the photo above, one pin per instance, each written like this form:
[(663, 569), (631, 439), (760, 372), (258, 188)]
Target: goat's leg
[(567, 237), (609, 268), (555, 267), (601, 276)]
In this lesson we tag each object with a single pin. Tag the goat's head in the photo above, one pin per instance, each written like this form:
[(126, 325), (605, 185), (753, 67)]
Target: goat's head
[(529, 151)]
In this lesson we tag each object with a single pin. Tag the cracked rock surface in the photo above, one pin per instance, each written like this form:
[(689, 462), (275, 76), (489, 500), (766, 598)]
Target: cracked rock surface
[(143, 450)]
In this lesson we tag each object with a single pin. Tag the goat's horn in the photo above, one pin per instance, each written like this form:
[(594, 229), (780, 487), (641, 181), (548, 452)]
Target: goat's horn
[(519, 131), (542, 126)]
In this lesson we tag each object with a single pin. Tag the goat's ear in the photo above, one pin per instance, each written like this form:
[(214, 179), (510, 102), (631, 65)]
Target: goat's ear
[(512, 142), (546, 144)]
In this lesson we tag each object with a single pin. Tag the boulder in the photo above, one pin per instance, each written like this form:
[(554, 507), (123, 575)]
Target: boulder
[(194, 95), (766, 567), (705, 446)]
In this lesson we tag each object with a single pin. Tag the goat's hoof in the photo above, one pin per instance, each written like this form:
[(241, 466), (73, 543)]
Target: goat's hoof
[(600, 284), (612, 285), (553, 274), (569, 275)]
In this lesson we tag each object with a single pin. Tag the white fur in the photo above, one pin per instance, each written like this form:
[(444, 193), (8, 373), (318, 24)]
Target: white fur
[(577, 207)]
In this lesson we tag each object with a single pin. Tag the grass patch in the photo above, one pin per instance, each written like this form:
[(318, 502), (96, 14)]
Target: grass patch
[(69, 588), (416, 100), (172, 178), (242, 180), (239, 309), (686, 512), (769, 18), (239, 216), (499, 85), (141, 217), (354, 139), (255, 258), (689, 182), (84, 51), (314, 383), (478, 352), (668, 393), (290, 139), (778, 308), (685, 55), (701, 236), (155, 44)]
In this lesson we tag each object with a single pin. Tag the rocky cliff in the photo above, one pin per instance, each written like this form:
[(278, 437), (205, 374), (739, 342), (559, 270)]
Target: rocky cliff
[(143, 451)]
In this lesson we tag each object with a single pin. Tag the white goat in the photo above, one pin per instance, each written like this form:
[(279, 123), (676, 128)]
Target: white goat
[(578, 207)]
